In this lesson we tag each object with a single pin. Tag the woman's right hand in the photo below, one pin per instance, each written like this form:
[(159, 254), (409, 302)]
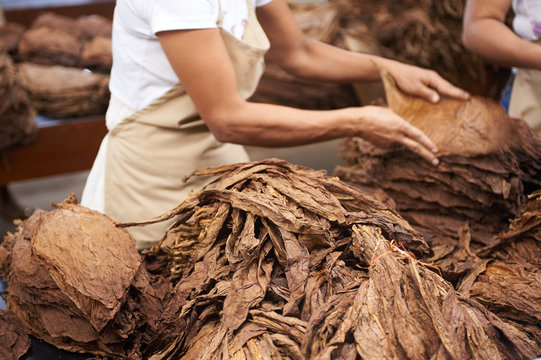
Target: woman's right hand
[(384, 128)]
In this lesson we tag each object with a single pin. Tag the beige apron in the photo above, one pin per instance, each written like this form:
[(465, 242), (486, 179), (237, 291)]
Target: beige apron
[(149, 152), (525, 102)]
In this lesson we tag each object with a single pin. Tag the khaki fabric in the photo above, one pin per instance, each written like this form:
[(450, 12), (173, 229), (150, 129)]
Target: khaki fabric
[(149, 152), (525, 102)]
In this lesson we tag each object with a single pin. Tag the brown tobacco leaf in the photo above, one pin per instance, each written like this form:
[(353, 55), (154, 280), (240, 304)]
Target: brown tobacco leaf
[(473, 127), (14, 342)]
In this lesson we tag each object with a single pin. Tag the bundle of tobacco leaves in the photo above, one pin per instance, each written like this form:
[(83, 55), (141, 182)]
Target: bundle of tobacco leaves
[(14, 342), (17, 125), (47, 46), (486, 161), (508, 282), (280, 261), (60, 40), (60, 91), (426, 33), (76, 281)]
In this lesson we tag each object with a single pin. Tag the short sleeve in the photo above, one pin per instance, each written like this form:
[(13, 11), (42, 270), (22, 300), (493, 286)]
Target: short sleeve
[(182, 15), (261, 2)]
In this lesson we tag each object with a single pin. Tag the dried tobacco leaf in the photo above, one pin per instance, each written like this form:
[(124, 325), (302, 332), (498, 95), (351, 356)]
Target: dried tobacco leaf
[(478, 126)]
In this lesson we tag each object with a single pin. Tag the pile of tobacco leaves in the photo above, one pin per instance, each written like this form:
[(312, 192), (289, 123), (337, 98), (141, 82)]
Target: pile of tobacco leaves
[(77, 282), (488, 164), (270, 260), (53, 39), (60, 91), (17, 125), (50, 57)]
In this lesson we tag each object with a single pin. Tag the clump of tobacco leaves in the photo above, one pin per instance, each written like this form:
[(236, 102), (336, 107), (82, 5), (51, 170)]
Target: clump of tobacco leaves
[(271, 260)]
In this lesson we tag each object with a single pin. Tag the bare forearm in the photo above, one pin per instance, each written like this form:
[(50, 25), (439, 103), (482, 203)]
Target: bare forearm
[(495, 41), (321, 62), (270, 125), (278, 126)]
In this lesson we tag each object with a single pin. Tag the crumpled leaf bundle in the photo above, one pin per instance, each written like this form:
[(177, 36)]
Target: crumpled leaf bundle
[(281, 261), (60, 40), (76, 281), (48, 46), (17, 125), (509, 282), (60, 91), (486, 161), (14, 342), (426, 33)]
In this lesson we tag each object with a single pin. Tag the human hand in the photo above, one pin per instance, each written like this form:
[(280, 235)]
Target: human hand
[(421, 82), (384, 128)]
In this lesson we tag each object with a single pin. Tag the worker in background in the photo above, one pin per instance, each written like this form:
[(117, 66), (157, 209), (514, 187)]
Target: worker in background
[(486, 33), (182, 73)]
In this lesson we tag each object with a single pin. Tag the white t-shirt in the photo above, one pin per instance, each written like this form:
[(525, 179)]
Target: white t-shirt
[(527, 21), (141, 72)]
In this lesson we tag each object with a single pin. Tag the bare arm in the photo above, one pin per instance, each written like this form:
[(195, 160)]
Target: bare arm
[(201, 61), (314, 60), (485, 33)]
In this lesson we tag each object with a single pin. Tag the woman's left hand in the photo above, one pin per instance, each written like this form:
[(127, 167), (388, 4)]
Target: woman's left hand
[(421, 82)]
